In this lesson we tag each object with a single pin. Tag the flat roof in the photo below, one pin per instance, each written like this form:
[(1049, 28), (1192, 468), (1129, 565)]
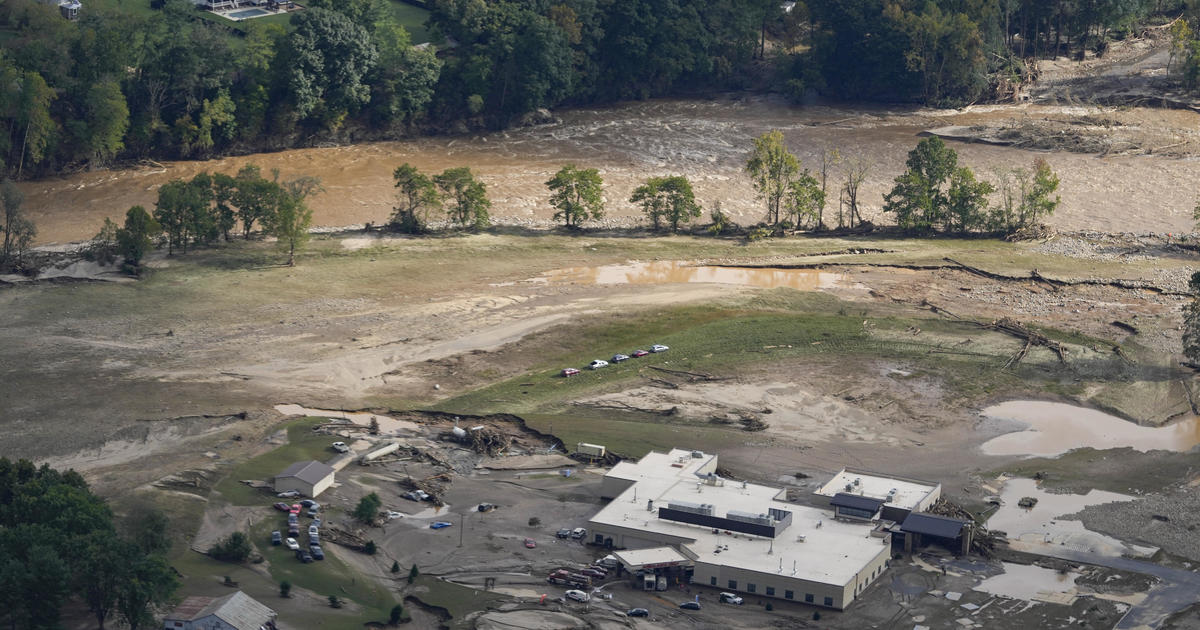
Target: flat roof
[(857, 502), (652, 556), (933, 525), (832, 552), (909, 492)]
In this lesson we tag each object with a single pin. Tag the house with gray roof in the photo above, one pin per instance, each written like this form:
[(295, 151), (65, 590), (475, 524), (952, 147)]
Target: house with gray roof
[(237, 611), (308, 478)]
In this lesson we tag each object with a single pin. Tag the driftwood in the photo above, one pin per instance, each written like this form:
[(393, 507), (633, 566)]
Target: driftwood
[(1031, 337), (1130, 328), (664, 383)]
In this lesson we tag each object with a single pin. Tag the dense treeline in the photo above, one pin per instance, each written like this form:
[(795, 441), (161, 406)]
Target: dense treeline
[(58, 542), (948, 52), (171, 85)]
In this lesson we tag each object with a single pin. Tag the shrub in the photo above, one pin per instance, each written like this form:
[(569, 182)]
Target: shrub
[(235, 548), (334, 602), (535, 521), (285, 589), (397, 612), (395, 566), (370, 548)]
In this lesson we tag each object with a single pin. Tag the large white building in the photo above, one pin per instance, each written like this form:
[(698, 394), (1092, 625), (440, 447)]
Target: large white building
[(736, 536)]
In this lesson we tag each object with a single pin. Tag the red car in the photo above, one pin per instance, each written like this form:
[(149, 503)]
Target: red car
[(295, 508), (569, 372), (638, 354), (283, 507), (529, 544)]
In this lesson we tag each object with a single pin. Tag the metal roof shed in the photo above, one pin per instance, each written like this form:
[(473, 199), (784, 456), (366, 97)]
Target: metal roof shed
[(948, 530), (854, 506), (308, 478)]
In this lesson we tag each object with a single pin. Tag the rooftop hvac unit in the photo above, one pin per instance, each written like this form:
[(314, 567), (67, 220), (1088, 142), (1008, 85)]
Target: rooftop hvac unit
[(858, 481), (705, 509), (801, 538), (750, 517), (697, 455), (649, 505)]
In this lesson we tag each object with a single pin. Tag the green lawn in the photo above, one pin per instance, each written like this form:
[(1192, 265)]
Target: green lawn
[(458, 600), (412, 18), (302, 445)]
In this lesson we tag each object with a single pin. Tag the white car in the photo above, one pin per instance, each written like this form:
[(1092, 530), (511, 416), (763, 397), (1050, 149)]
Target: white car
[(578, 596), (730, 598), (393, 515), (313, 531), (658, 347), (288, 494), (340, 447), (291, 543), (597, 364)]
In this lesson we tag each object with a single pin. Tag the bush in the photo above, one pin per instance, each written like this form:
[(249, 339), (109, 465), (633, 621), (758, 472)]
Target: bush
[(285, 589), (413, 573), (816, 615), (368, 508), (395, 566), (334, 602), (535, 521), (235, 548), (370, 548), (397, 613)]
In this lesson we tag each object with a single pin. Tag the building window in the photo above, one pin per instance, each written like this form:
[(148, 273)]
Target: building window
[(788, 595), (771, 590), (750, 588), (599, 539), (808, 597), (733, 584), (713, 580), (829, 601)]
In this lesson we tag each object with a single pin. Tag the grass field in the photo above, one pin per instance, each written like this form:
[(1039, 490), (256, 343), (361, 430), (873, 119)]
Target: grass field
[(302, 445)]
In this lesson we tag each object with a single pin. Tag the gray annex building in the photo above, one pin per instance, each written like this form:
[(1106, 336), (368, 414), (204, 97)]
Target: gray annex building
[(674, 511)]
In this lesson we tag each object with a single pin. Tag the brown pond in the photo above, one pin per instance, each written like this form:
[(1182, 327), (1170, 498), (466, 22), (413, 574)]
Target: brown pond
[(682, 272), (1055, 428), (706, 140)]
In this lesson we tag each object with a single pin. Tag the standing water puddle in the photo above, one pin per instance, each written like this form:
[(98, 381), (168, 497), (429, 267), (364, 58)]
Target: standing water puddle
[(1027, 582), (1055, 428), (683, 272)]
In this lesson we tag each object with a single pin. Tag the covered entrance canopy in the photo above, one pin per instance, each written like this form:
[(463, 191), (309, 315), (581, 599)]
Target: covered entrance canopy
[(651, 559)]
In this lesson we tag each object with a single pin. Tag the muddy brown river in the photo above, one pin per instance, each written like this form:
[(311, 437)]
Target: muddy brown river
[(707, 140)]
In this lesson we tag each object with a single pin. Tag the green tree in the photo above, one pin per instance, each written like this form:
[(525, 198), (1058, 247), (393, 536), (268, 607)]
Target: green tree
[(471, 203), (136, 238), (233, 548), (224, 188), (1025, 197), (966, 201), (772, 167), (396, 614), (417, 197), (413, 573), (179, 210), (149, 583), (577, 194), (334, 602), (395, 566), (107, 120), (102, 573), (403, 81), (804, 200), (368, 508), (329, 57), (255, 197), (667, 199), (217, 116), (918, 199), (18, 230), (290, 224), (285, 589), (145, 526), (370, 548), (33, 119)]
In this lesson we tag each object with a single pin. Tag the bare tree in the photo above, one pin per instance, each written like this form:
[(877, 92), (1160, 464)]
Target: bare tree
[(855, 173), (829, 159)]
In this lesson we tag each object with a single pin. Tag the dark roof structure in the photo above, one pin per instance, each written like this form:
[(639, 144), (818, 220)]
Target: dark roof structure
[(856, 502), (933, 525), (310, 472), (238, 610)]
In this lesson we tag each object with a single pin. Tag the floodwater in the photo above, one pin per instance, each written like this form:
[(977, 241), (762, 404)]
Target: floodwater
[(1055, 428), (683, 272), (705, 140), (387, 424), (1043, 525), (1027, 581)]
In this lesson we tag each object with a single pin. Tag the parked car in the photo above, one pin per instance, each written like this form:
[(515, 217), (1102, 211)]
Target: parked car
[(578, 596), (287, 494), (276, 538), (293, 519), (393, 515), (596, 364), (317, 552), (637, 354), (440, 524), (529, 543), (591, 572), (283, 507), (313, 531), (486, 507), (729, 598), (313, 539), (303, 556), (317, 522), (690, 605), (578, 533), (563, 533), (309, 503), (293, 529), (340, 447), (617, 358), (292, 544), (570, 372), (638, 612), (312, 513), (295, 508), (658, 347)]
